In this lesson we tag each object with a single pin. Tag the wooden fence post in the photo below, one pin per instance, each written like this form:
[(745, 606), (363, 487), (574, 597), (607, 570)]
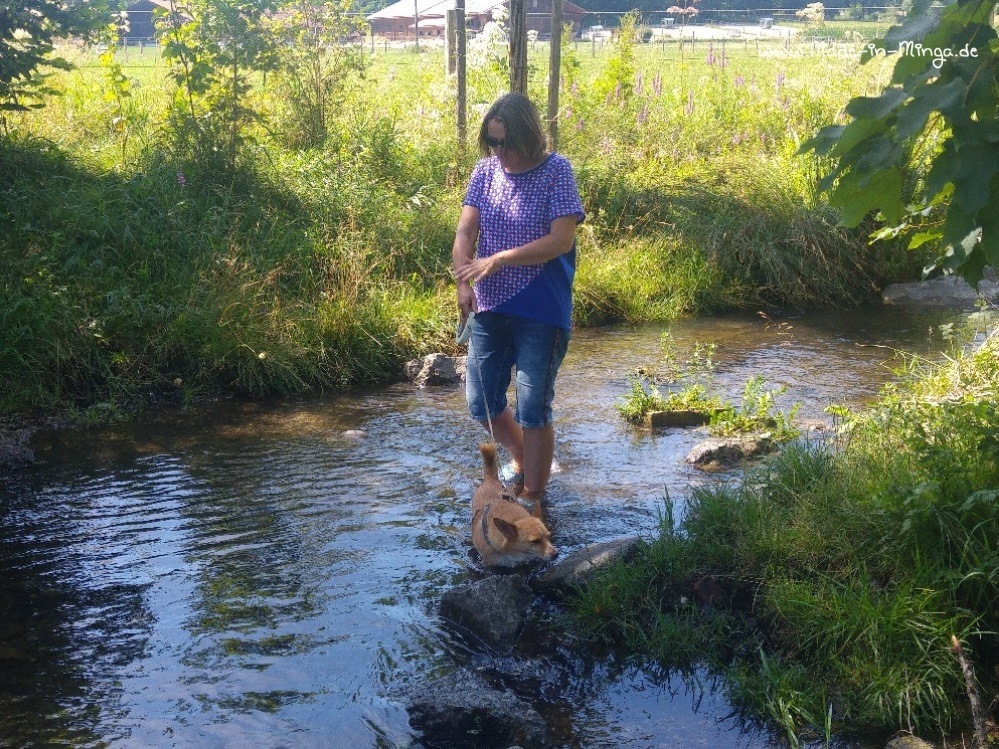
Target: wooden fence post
[(554, 73), (450, 41), (518, 46), (416, 23), (460, 69)]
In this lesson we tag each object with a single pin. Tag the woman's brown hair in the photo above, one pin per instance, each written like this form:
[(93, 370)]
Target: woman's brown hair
[(520, 118)]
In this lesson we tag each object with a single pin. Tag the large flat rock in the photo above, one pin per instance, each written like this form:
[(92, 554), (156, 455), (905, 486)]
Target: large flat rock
[(943, 292), (574, 570)]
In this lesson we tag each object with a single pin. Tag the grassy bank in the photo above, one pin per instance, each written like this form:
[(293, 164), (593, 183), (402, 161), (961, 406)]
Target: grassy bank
[(135, 270), (828, 586)]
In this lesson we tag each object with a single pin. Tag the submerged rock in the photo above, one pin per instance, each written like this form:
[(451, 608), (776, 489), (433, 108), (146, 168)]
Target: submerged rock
[(575, 569), (463, 710), (719, 453), (15, 451), (908, 742), (492, 610), (435, 369)]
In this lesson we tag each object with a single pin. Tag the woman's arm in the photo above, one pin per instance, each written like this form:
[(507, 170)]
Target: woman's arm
[(462, 254), (557, 242)]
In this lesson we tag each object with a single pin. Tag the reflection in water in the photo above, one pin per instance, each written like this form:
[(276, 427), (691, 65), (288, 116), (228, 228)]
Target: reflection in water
[(268, 575)]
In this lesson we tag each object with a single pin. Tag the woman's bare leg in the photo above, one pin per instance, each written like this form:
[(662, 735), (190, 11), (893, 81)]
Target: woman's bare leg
[(538, 451), (509, 433), (531, 451)]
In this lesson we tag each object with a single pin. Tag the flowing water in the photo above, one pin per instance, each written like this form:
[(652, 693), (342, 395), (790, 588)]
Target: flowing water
[(247, 575)]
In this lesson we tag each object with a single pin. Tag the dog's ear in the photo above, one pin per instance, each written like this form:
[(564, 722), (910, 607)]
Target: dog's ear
[(508, 529)]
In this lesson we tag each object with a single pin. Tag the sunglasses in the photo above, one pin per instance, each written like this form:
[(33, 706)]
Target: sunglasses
[(495, 142)]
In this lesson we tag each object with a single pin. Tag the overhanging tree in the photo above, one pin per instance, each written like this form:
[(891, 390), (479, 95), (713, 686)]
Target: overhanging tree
[(924, 155), (28, 30)]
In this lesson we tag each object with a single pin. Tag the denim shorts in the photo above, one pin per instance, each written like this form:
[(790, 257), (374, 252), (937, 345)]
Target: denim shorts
[(499, 343)]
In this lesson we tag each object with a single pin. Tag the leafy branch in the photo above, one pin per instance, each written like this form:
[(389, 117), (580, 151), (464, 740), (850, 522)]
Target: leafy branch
[(28, 30), (924, 155)]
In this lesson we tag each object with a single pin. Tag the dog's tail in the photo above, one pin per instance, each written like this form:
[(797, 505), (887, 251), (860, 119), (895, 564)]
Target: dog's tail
[(490, 466)]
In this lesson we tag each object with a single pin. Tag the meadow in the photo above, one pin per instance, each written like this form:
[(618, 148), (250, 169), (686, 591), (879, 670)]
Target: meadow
[(140, 271)]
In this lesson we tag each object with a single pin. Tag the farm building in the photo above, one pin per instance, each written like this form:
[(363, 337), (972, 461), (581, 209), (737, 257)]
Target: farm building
[(140, 15), (398, 21)]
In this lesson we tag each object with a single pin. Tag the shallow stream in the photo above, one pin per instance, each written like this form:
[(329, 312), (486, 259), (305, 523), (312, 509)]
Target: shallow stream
[(254, 576)]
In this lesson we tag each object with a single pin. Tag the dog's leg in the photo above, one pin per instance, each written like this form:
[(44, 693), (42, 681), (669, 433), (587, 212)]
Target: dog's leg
[(533, 505)]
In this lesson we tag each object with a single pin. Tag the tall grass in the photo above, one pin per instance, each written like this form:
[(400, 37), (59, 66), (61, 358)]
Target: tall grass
[(132, 269), (846, 568)]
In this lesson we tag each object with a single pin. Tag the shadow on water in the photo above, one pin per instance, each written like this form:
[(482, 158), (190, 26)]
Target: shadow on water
[(268, 575)]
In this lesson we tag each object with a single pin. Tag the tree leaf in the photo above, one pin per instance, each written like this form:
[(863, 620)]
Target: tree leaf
[(934, 97), (976, 165), (858, 193), (880, 153), (913, 29), (921, 238), (876, 107), (854, 134), (823, 141), (989, 245)]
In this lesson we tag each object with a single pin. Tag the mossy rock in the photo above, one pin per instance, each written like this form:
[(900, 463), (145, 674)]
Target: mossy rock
[(666, 419)]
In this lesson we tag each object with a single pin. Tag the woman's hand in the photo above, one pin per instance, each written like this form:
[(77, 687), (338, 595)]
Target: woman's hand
[(479, 268), (466, 301), (557, 242)]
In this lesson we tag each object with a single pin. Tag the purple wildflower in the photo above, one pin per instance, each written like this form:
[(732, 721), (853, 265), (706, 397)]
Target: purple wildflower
[(181, 179), (643, 116), (657, 85)]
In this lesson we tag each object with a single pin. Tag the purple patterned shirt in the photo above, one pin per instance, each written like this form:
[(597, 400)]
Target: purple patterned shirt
[(515, 209)]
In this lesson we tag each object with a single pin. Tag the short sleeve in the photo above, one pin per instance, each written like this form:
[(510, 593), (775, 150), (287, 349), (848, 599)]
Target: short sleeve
[(565, 195), (476, 186)]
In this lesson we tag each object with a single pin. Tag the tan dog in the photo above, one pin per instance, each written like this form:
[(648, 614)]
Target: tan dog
[(504, 533)]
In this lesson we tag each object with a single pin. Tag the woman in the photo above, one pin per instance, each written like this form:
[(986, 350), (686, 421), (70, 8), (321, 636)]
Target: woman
[(514, 260)]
